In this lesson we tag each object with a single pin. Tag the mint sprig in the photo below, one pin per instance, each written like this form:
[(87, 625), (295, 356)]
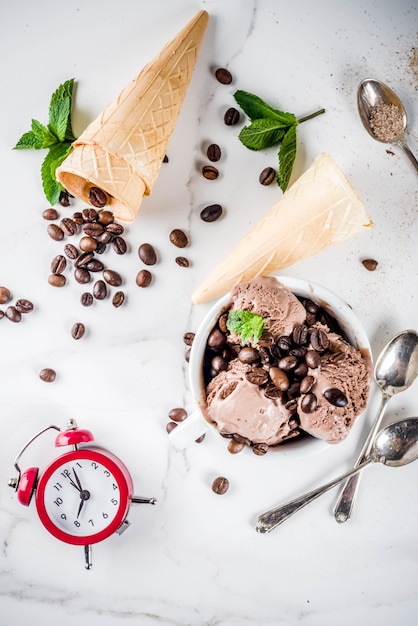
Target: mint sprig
[(56, 137), (246, 324), (269, 127)]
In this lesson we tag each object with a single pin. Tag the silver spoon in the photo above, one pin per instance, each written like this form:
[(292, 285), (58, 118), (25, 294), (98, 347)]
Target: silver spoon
[(370, 94), (395, 370), (395, 445)]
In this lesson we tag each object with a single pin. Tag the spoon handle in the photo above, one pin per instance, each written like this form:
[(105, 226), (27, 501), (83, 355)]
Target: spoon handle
[(345, 502), (269, 520), (409, 154)]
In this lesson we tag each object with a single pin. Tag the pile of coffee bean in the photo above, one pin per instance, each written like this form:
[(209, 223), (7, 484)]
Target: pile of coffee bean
[(283, 367), (14, 311)]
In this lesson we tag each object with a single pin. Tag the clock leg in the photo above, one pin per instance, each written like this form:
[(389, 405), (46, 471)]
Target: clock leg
[(139, 500), (87, 557)]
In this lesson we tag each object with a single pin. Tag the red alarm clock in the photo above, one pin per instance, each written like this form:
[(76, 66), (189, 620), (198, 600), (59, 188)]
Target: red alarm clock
[(84, 495)]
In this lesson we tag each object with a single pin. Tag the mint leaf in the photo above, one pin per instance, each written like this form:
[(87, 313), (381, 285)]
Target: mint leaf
[(43, 134), (263, 133), (64, 91), (29, 140), (287, 156), (246, 324), (54, 158), (256, 108), (58, 117)]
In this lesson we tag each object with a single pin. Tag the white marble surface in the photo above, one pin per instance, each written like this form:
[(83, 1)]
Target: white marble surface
[(195, 557)]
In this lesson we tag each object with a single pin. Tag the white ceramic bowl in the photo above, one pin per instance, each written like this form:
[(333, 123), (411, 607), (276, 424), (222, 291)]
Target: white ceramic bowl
[(195, 425)]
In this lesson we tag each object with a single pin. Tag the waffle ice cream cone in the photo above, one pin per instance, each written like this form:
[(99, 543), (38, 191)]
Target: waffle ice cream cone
[(122, 150), (319, 210)]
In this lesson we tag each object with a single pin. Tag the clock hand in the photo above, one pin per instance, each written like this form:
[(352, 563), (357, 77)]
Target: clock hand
[(84, 495), (73, 484), (77, 480), (80, 507)]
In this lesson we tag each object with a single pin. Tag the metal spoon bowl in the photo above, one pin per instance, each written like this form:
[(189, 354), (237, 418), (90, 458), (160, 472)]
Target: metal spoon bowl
[(394, 446), (370, 94)]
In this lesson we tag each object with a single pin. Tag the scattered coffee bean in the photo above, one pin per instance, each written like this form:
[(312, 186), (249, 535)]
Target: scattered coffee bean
[(220, 485), (71, 251), (211, 213), (118, 299), (86, 299), (210, 172), (115, 229), (188, 338), (58, 264), (112, 278), (13, 314), (370, 264), (143, 278), (187, 355), (260, 449), (50, 214), (97, 197), (24, 306), (105, 217), (200, 439), (336, 397), (82, 275), (165, 159), (78, 330), (64, 199), (231, 117), (5, 295), (147, 254), (170, 426), (68, 226), (93, 229), (1, 314), (100, 290), (182, 261), (78, 218), (55, 232), (267, 176), (94, 265), (57, 280), (119, 245), (234, 447), (223, 76), (48, 375), (83, 259), (89, 215), (178, 238), (214, 152), (309, 403), (178, 414), (88, 244)]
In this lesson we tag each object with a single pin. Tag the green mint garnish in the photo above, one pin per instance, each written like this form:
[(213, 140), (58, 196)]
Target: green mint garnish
[(246, 324), (57, 138), (270, 127)]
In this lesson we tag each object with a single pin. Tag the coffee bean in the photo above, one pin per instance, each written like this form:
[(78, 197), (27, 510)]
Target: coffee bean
[(88, 244), (188, 338), (100, 290), (5, 295), (50, 214), (78, 218), (231, 117), (101, 247), (78, 330), (178, 238), (112, 278), (55, 232), (336, 357), (248, 355), (284, 343), (260, 449), (48, 375), (93, 229), (57, 280), (143, 278), (223, 76), (257, 376), (83, 259), (288, 363), (319, 340), (89, 215), (13, 314), (220, 485), (273, 392), (370, 264), (82, 275), (219, 363), (68, 226), (310, 306), (300, 334), (211, 213), (298, 351), (119, 245), (306, 384), (336, 397), (301, 370), (165, 159), (234, 447), (309, 403), (105, 217), (187, 355), (64, 199), (1, 314), (58, 264), (106, 237), (267, 176), (216, 340), (170, 426), (182, 261), (24, 306), (147, 254), (71, 251), (312, 359), (97, 197), (86, 299), (200, 439), (241, 439), (94, 265), (279, 378), (115, 229), (118, 299), (210, 172), (178, 414), (214, 152)]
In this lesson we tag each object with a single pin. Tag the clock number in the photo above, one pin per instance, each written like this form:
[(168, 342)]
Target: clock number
[(65, 473), (106, 473), (63, 516), (77, 523), (94, 465), (58, 501), (91, 522), (114, 501), (115, 487), (105, 515), (57, 486)]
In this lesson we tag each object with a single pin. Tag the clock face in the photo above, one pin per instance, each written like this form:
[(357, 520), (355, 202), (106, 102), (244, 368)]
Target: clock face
[(83, 496)]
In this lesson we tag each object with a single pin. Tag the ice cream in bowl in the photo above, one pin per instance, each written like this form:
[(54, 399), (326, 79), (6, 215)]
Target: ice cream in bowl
[(274, 361)]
